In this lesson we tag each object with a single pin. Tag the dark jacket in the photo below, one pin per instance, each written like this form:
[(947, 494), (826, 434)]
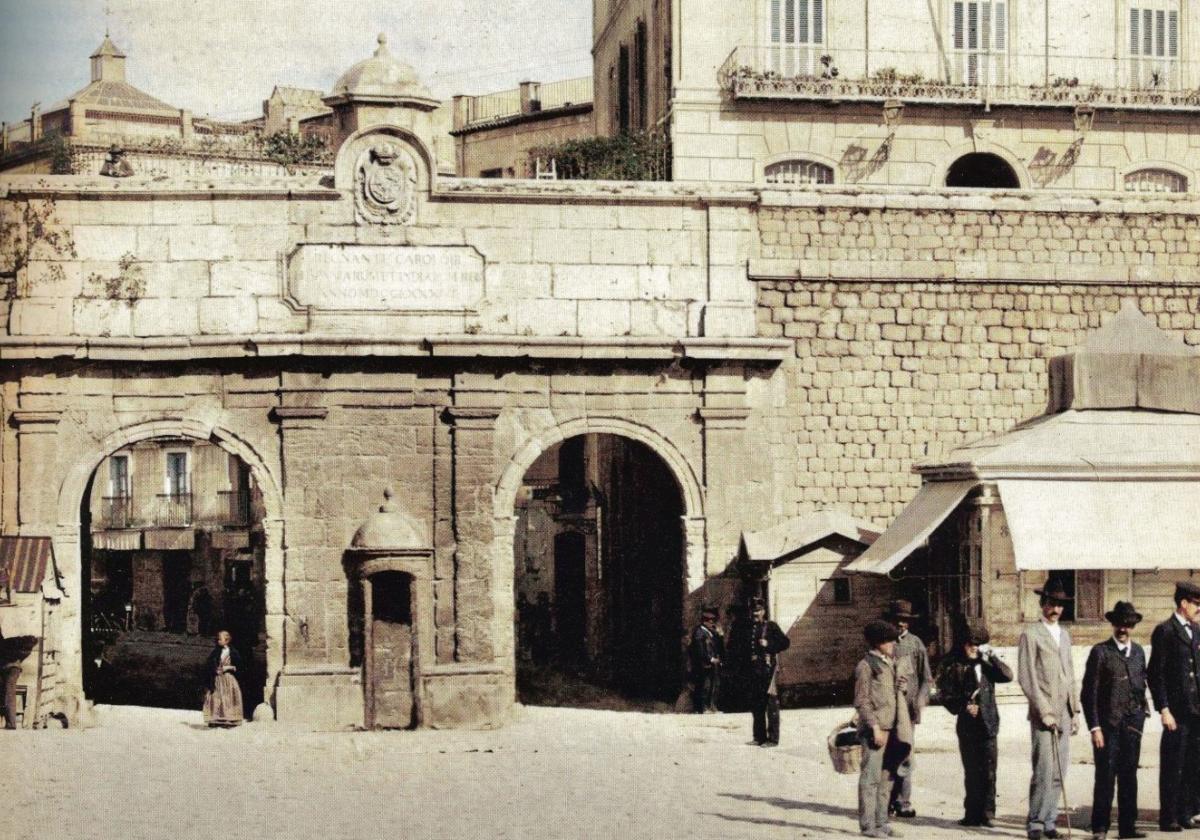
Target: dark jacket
[(214, 659), (706, 645), (1114, 686), (957, 687), (1174, 664)]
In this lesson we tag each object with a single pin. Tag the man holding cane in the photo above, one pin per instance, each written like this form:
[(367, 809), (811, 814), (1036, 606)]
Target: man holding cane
[(1047, 678)]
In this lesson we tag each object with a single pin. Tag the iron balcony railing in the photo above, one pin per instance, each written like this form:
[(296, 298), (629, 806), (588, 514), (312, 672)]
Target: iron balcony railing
[(233, 508), (814, 72), (116, 512), (174, 510)]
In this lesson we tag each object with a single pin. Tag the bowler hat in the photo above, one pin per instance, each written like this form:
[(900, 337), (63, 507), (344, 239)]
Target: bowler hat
[(1186, 589), (1054, 591), (900, 609), (976, 633), (1123, 615), (877, 632)]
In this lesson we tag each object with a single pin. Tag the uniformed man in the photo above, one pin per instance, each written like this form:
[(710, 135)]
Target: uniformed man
[(913, 659), (1114, 706), (758, 643), (1175, 689), (966, 685)]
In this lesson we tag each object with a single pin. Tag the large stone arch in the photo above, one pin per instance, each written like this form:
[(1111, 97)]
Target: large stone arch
[(67, 531), (504, 506)]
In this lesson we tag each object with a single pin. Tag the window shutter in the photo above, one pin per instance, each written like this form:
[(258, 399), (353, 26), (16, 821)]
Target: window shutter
[(789, 22), (1134, 38), (985, 30), (1001, 27), (1173, 34), (973, 26), (775, 21), (958, 26), (802, 35), (818, 22), (1147, 32), (1160, 32)]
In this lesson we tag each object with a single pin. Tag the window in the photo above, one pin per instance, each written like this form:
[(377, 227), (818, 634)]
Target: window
[(118, 476), (841, 593), (796, 34), (623, 90), (492, 173), (640, 56), (798, 172), (1155, 180), (1153, 44), (1086, 586), (979, 41), (177, 474)]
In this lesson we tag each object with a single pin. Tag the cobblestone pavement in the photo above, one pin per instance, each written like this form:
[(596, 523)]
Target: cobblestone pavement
[(555, 773)]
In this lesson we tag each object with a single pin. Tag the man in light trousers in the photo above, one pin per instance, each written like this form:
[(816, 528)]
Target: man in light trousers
[(1047, 677)]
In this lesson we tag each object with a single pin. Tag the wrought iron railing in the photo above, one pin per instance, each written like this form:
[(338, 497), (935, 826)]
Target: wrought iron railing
[(803, 71), (116, 512), (174, 509), (233, 507)]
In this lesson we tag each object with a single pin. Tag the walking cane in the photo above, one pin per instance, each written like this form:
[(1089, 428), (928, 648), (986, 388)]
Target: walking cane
[(1062, 782)]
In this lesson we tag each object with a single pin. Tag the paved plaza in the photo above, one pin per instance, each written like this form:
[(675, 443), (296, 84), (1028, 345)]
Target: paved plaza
[(556, 773)]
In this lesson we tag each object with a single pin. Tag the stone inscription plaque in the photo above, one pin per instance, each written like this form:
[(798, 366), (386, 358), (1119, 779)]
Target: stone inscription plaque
[(383, 278)]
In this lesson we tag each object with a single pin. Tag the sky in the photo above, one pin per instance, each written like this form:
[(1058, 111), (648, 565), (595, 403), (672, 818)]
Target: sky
[(221, 58)]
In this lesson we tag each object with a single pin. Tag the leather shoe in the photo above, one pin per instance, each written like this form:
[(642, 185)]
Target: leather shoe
[(985, 823), (1034, 834), (1188, 822), (1132, 835), (969, 823), (1050, 833), (1171, 828), (905, 813)]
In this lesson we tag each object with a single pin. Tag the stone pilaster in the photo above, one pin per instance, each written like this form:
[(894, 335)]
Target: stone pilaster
[(444, 545), (36, 459), (473, 443), (728, 474)]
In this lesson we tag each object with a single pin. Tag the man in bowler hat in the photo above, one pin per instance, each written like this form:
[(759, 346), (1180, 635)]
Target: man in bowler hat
[(912, 659), (1114, 706), (967, 687), (882, 715), (1174, 676), (757, 644), (1047, 678), (705, 650)]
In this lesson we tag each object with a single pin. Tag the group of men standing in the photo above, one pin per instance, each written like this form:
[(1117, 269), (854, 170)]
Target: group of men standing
[(892, 687)]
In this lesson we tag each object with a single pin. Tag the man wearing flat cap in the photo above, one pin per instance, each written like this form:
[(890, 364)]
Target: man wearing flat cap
[(1174, 676), (756, 644), (705, 651), (1114, 706), (912, 660), (966, 684), (1047, 678), (882, 713)]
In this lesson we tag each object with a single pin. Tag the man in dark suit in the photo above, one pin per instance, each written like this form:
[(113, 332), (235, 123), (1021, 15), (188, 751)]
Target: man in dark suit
[(1114, 706), (967, 684), (758, 643), (1174, 674), (705, 651)]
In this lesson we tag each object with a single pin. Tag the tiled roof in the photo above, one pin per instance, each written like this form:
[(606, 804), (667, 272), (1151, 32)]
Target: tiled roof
[(116, 95)]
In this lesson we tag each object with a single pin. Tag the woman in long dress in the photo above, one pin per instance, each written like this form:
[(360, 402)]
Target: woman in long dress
[(223, 695)]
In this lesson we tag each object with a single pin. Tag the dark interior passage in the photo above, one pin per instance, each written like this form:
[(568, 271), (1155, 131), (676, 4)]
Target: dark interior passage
[(982, 170)]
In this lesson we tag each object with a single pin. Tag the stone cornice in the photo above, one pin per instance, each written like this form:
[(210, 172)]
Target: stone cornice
[(472, 417), (175, 349), (34, 420), (723, 417), (289, 414)]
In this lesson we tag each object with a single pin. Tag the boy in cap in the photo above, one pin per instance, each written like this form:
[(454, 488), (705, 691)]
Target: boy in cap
[(912, 660), (705, 651), (1114, 706), (1174, 676), (1047, 678), (882, 713), (967, 686)]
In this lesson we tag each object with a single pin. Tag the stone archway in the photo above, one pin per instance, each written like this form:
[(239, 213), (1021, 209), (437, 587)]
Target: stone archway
[(68, 549), (673, 462)]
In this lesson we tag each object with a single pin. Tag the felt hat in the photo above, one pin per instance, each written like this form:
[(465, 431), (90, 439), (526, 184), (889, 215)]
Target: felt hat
[(877, 632), (1054, 591), (976, 633), (900, 609), (1123, 615), (1186, 589)]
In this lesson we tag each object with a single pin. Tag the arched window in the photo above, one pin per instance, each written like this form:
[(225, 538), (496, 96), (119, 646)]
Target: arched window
[(982, 170), (798, 172), (1155, 180)]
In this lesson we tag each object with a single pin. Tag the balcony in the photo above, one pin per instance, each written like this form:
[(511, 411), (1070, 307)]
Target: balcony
[(173, 510), (116, 513), (233, 509), (815, 73)]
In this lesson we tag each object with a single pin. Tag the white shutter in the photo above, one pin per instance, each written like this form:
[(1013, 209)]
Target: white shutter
[(1153, 60)]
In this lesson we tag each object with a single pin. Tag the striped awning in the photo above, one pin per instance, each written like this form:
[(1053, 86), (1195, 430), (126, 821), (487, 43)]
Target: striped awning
[(23, 562)]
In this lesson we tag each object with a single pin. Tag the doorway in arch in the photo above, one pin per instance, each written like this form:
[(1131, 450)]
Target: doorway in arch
[(172, 551), (982, 170), (599, 575)]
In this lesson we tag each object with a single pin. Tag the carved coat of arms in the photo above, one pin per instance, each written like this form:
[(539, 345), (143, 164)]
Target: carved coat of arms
[(385, 185)]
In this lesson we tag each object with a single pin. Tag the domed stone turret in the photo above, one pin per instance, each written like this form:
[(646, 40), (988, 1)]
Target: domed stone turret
[(381, 79), (390, 529)]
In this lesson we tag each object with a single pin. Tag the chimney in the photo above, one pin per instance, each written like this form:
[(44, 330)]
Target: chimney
[(530, 97)]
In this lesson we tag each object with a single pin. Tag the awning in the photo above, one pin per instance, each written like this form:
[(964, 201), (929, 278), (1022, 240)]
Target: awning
[(1103, 524), (170, 539), (23, 562), (933, 503), (117, 540)]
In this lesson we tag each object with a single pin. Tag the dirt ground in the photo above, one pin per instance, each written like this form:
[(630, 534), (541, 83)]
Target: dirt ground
[(555, 773)]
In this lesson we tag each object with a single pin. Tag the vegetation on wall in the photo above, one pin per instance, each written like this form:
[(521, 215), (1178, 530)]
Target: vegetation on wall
[(292, 149), (642, 156), (23, 231)]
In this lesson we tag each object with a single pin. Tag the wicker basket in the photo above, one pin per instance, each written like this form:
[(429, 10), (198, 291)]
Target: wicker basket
[(845, 748)]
